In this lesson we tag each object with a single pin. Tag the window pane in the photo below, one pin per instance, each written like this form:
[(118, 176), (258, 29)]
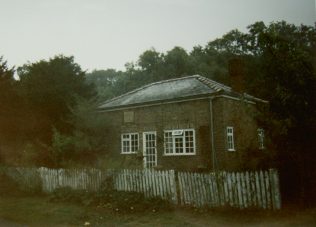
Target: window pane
[(129, 142), (230, 138), (168, 143), (179, 144), (189, 141)]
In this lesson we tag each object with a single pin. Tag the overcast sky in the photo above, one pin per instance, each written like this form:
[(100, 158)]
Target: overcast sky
[(103, 34)]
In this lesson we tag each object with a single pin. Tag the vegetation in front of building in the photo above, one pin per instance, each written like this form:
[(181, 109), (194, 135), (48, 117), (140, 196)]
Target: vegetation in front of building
[(111, 200)]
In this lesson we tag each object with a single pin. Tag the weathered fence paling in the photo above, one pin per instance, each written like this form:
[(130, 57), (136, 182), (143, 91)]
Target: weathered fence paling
[(257, 189), (241, 190)]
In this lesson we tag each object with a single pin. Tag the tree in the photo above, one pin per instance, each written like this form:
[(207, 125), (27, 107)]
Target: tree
[(8, 93), (86, 141), (8, 100), (177, 63), (105, 82), (14, 123), (50, 88), (288, 80)]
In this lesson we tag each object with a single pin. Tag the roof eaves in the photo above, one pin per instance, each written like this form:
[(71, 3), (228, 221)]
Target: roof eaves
[(161, 101)]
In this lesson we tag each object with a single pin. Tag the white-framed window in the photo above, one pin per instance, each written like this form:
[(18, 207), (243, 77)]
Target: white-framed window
[(230, 138), (179, 142), (261, 138), (129, 143)]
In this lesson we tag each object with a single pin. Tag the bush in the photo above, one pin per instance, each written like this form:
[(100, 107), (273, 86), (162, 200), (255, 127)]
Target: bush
[(67, 194), (131, 202), (8, 186), (120, 201), (13, 183), (110, 199)]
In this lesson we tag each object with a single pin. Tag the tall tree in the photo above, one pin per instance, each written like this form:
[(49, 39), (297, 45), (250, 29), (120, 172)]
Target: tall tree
[(287, 56), (105, 82), (50, 88), (8, 99), (177, 63)]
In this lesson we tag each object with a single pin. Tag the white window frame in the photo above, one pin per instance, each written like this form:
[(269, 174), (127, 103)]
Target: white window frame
[(230, 138), (131, 149), (261, 138), (179, 134)]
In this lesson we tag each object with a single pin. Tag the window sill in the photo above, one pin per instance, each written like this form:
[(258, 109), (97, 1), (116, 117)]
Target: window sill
[(179, 154), (128, 153), (231, 150)]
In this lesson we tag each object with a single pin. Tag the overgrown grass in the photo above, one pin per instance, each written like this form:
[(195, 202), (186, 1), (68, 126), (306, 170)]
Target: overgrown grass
[(40, 211)]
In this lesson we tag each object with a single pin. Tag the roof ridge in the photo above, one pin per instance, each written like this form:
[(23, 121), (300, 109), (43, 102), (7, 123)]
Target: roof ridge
[(213, 84)]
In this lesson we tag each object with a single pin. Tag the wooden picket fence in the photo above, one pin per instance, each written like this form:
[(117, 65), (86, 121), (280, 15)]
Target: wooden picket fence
[(259, 189), (150, 182), (241, 189)]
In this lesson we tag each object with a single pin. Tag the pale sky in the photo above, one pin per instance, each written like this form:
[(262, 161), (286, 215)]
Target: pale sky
[(103, 34)]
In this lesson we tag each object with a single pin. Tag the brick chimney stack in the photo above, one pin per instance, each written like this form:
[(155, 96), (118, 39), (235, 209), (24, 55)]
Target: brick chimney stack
[(236, 74)]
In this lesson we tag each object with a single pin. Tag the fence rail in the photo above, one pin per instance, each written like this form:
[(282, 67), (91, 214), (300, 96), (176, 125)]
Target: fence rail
[(257, 189)]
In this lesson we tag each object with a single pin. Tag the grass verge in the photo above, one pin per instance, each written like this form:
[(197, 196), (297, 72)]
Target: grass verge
[(39, 211)]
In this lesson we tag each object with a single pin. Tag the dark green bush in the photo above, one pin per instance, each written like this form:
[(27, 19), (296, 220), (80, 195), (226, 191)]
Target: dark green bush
[(110, 199), (67, 194), (8, 185), (120, 201)]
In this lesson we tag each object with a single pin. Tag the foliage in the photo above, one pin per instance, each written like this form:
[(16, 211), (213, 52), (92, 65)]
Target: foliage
[(8, 186), (105, 82), (8, 98), (112, 200), (50, 88), (67, 194), (87, 138), (12, 184)]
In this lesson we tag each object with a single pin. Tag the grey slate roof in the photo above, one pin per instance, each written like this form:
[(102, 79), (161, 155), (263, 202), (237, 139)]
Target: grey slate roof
[(167, 90)]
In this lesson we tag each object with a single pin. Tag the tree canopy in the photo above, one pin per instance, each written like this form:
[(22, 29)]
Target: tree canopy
[(50, 88)]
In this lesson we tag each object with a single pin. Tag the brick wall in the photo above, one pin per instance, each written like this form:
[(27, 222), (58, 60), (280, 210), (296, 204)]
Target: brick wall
[(188, 115), (241, 116), (184, 115)]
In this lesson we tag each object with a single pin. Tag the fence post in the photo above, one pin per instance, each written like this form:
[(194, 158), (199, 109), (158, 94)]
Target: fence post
[(275, 186), (173, 186)]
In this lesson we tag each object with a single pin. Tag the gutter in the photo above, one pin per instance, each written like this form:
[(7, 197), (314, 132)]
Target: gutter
[(214, 161)]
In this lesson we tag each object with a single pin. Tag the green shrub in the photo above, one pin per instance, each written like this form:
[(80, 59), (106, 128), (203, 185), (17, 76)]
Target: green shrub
[(67, 194), (121, 201), (8, 185), (110, 199)]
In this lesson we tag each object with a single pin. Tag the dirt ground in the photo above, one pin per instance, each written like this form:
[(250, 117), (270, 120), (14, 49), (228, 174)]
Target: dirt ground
[(38, 211)]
